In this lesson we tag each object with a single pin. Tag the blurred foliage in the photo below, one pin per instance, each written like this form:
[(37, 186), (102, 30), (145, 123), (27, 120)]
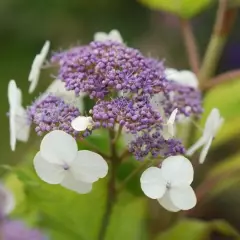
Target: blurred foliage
[(199, 230), (182, 8)]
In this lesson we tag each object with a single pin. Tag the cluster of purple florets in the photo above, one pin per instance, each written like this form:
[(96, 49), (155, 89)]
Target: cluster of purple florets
[(102, 68), (134, 114), (124, 84), (52, 113), (152, 144)]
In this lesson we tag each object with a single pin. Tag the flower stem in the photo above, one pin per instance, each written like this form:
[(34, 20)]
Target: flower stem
[(190, 44), (118, 135), (111, 190)]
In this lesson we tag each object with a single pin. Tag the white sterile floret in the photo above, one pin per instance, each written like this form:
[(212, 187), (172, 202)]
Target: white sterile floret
[(36, 67), (212, 125), (19, 126), (7, 202), (57, 87), (60, 162), (81, 123), (170, 184), (113, 35), (183, 77)]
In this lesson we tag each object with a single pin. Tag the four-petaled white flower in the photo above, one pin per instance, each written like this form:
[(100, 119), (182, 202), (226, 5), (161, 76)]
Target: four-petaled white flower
[(57, 87), (19, 126), (36, 67), (113, 35), (7, 202), (183, 77), (212, 125), (60, 162), (81, 123), (170, 184)]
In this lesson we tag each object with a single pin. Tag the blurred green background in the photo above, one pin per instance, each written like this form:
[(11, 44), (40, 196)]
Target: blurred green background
[(25, 25)]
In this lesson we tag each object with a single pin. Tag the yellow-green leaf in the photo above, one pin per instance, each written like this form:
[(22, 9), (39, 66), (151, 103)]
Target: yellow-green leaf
[(182, 8)]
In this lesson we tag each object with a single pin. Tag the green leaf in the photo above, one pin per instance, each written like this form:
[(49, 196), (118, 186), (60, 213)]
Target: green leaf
[(182, 8), (198, 230), (127, 221), (68, 215)]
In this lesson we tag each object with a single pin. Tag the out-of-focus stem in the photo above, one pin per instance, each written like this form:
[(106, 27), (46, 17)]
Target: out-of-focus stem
[(190, 44), (222, 78), (223, 24)]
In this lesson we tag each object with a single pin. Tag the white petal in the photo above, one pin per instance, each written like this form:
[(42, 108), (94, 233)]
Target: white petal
[(7, 202), (89, 166), (201, 141), (22, 125), (188, 78), (12, 94), (33, 78), (165, 132), (213, 123), (152, 183), (36, 67), (45, 50), (13, 137), (48, 172), (100, 36), (115, 35), (71, 183), (172, 117), (170, 124), (167, 203), (171, 73), (58, 147), (81, 123), (177, 170), (204, 151), (183, 197)]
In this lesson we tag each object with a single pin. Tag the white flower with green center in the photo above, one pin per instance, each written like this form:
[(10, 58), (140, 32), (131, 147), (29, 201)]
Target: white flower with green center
[(183, 77), (212, 125), (19, 126), (170, 184), (113, 35), (36, 67), (7, 202), (60, 162)]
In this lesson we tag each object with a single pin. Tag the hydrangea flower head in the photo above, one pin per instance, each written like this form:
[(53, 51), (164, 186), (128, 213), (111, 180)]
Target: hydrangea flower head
[(60, 162), (170, 184)]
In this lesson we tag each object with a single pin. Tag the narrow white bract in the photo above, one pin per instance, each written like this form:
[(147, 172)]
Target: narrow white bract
[(212, 125), (170, 184), (19, 126), (36, 67), (113, 35), (168, 131), (60, 162)]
